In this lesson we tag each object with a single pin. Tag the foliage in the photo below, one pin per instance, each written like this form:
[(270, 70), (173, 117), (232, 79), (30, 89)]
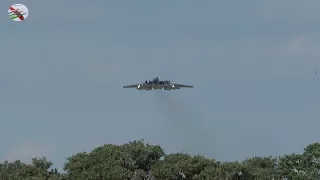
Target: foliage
[(137, 160)]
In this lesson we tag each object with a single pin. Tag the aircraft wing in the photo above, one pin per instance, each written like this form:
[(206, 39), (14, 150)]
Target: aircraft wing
[(131, 86), (182, 86)]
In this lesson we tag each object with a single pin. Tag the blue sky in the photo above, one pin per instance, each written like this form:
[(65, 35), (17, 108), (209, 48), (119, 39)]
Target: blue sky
[(62, 72)]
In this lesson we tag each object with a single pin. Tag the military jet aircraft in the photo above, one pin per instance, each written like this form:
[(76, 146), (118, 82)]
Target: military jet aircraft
[(156, 84)]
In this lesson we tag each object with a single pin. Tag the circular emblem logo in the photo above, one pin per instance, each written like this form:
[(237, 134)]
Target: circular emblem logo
[(18, 12)]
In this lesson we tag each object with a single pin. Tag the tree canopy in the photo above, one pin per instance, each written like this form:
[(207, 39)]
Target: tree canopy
[(138, 160)]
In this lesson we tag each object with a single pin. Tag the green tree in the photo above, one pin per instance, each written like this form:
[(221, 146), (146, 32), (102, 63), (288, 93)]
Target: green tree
[(304, 166), (38, 169), (262, 168), (181, 166), (129, 161), (137, 160)]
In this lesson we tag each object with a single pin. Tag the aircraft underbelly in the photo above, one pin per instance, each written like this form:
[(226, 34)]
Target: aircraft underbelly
[(159, 86), (147, 86), (155, 86)]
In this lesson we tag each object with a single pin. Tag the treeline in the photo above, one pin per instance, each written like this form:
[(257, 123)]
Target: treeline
[(142, 161)]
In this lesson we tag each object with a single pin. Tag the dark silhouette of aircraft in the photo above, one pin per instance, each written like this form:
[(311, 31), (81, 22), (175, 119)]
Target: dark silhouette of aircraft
[(156, 84)]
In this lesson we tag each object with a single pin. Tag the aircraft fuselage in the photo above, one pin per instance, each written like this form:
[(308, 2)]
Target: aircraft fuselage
[(156, 87), (156, 84)]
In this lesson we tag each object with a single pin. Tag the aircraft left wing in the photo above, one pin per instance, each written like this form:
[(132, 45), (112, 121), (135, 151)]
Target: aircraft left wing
[(131, 86), (182, 86)]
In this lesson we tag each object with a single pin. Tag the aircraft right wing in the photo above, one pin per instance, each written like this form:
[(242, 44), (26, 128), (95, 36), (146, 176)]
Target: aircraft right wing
[(131, 86), (183, 86)]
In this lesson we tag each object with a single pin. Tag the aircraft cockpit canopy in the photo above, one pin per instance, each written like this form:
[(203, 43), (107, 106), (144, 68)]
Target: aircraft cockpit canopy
[(155, 80)]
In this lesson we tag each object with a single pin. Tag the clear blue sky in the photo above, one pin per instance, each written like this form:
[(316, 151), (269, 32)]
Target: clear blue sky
[(62, 72)]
